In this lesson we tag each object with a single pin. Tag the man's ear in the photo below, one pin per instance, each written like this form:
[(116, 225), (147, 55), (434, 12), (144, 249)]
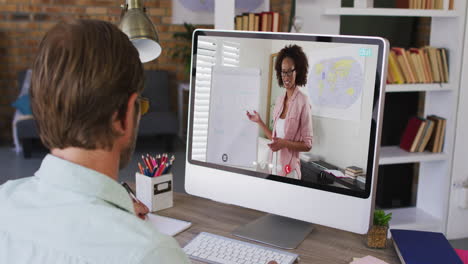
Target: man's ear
[(127, 121)]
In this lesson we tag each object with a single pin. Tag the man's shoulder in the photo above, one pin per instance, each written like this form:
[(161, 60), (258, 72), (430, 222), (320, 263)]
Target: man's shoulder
[(9, 187)]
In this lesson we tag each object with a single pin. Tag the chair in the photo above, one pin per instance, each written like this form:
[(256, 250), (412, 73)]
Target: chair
[(159, 121)]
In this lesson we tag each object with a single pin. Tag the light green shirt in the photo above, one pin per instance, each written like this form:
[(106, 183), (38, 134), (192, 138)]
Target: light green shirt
[(67, 213)]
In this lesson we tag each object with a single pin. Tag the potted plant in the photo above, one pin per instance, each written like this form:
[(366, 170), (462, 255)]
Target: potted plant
[(377, 235), (183, 52)]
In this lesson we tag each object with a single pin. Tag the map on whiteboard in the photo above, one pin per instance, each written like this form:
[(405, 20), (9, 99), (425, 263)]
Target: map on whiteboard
[(335, 84)]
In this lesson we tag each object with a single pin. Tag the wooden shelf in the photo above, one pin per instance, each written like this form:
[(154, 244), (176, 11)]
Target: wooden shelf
[(415, 219), (399, 12), (396, 155), (422, 87)]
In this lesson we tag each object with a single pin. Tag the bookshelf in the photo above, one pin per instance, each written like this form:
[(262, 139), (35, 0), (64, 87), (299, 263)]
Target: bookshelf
[(395, 12), (395, 155), (435, 169), (431, 87)]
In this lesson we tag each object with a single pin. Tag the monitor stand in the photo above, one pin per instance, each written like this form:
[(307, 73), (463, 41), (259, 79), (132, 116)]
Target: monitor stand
[(275, 230)]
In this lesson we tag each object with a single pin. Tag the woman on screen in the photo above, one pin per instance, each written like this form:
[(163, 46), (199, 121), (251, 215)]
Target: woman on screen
[(292, 124)]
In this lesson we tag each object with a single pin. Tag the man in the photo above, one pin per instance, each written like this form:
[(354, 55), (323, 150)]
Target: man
[(85, 95)]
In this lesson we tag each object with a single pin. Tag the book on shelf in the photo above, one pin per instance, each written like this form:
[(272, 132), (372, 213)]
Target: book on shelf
[(423, 65), (275, 23), (424, 134), (265, 21), (418, 136), (245, 21), (436, 142), (422, 4), (251, 18), (410, 133), (394, 70), (238, 23)]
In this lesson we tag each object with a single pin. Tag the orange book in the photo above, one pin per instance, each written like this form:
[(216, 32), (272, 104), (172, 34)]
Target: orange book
[(251, 22), (413, 66), (433, 144), (427, 65), (440, 65), (263, 21), (433, 61), (429, 4), (257, 23), (442, 135), (404, 64), (269, 21), (245, 21), (416, 57), (275, 27), (425, 72), (238, 23), (445, 64), (390, 78)]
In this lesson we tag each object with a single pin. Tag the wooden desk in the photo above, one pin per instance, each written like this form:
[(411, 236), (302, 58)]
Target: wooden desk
[(323, 245)]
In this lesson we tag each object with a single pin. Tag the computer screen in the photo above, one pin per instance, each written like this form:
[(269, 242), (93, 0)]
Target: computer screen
[(297, 109)]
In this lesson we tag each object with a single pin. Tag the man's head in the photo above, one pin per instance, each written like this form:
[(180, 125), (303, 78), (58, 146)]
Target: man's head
[(85, 82)]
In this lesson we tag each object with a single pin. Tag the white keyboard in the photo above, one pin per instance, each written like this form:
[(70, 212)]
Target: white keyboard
[(216, 249)]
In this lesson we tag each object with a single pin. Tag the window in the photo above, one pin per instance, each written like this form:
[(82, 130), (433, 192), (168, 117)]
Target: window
[(206, 59), (230, 54)]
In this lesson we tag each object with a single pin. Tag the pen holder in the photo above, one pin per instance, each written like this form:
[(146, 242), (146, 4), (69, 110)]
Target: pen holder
[(154, 192)]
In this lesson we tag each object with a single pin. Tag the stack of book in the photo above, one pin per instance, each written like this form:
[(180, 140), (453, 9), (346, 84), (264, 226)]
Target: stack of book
[(265, 21), (424, 134), (424, 65), (353, 171), (423, 4)]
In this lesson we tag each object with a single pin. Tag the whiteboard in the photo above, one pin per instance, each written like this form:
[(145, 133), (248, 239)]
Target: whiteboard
[(232, 137)]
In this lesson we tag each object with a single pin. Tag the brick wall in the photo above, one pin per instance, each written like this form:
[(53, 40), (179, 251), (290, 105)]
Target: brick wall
[(24, 22)]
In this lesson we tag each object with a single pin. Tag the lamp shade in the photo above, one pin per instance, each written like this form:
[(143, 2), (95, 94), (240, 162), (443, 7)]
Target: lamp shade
[(140, 30)]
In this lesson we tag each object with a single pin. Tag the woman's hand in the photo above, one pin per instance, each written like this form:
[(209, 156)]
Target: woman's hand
[(277, 144), (255, 117)]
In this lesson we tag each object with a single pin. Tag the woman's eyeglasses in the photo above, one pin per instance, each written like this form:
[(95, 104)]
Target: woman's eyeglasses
[(288, 73)]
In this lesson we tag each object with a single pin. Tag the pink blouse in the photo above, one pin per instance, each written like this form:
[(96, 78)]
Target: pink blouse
[(297, 127)]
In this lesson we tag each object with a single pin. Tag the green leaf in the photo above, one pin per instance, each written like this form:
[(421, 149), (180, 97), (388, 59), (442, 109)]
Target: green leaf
[(381, 219)]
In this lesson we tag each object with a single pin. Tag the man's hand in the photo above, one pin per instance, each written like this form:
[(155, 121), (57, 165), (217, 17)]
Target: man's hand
[(140, 209)]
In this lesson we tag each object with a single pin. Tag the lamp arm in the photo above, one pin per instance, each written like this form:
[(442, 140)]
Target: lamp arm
[(134, 4)]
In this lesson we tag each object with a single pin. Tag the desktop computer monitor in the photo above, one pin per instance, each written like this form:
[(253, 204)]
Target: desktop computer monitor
[(287, 124)]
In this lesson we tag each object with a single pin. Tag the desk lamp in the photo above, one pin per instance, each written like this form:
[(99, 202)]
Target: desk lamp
[(140, 30)]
